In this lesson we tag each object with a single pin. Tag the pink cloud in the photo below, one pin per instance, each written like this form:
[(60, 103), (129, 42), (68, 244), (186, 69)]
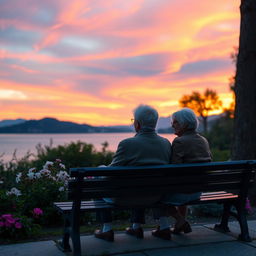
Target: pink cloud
[(96, 55)]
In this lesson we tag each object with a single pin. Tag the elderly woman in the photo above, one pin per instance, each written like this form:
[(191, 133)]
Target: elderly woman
[(188, 147)]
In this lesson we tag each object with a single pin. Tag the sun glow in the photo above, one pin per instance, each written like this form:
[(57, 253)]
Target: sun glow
[(94, 62)]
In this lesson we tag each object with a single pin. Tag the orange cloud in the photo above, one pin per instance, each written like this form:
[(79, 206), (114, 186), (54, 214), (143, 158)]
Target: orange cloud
[(94, 61)]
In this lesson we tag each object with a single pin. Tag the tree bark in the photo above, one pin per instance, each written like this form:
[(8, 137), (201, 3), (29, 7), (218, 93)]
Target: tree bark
[(205, 124), (244, 142)]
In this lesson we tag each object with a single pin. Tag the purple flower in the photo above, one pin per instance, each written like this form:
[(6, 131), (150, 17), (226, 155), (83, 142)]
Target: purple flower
[(18, 225), (8, 218), (248, 206), (37, 212), (2, 224)]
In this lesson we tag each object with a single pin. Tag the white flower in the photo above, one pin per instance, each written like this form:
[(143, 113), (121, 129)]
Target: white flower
[(1, 182), (62, 166), (18, 176), (31, 175), (45, 172), (13, 191), (32, 169), (37, 175), (62, 176), (61, 189), (47, 164)]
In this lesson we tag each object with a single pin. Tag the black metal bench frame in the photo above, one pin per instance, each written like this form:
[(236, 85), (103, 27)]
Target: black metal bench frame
[(225, 183)]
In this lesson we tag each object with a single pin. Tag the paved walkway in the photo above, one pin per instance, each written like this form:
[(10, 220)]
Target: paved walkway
[(203, 241)]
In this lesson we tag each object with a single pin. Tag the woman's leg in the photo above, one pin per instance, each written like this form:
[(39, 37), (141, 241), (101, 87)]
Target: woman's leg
[(183, 210)]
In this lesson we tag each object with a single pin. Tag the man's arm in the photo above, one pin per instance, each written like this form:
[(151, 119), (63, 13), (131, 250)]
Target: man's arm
[(119, 157)]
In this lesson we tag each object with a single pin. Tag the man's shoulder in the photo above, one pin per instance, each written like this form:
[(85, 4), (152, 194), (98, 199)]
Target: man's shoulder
[(163, 139), (127, 140)]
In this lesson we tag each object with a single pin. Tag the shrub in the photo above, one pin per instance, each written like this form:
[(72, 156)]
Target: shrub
[(28, 188), (207, 210), (13, 227)]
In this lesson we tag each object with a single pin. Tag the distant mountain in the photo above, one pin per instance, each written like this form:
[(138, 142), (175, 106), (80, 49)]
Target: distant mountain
[(116, 128), (52, 125), (9, 122)]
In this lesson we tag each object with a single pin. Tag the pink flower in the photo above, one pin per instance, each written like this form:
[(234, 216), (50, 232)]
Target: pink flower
[(2, 224), (248, 206), (8, 218), (37, 212), (18, 225)]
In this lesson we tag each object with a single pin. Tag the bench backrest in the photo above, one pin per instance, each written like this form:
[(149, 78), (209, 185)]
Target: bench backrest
[(119, 182)]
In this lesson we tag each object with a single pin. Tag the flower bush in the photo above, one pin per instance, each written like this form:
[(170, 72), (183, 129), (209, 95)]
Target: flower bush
[(30, 201), (28, 188), (16, 228)]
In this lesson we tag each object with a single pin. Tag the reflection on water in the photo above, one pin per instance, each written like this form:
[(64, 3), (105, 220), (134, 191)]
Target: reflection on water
[(23, 143)]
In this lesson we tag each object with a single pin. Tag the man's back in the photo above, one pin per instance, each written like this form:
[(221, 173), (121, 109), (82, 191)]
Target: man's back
[(146, 148)]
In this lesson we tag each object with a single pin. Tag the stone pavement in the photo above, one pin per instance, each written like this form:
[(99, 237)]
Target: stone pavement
[(203, 241)]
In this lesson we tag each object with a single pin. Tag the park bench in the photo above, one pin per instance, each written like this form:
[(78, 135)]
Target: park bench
[(225, 183)]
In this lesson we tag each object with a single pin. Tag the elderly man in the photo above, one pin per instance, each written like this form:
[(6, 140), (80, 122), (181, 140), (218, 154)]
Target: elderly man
[(145, 148)]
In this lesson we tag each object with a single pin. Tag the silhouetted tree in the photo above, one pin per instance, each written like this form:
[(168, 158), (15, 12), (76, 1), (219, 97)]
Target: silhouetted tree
[(244, 146), (244, 142), (229, 111), (202, 104)]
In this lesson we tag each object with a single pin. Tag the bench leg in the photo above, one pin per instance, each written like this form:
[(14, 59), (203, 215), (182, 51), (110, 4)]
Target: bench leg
[(241, 212), (66, 234), (64, 245), (75, 234), (76, 243), (223, 226)]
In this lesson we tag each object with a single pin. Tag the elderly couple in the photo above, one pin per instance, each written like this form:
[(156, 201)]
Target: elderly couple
[(148, 148)]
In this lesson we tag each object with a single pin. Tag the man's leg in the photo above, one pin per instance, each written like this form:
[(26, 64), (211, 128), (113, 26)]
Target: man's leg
[(105, 217), (137, 218), (163, 230), (183, 210)]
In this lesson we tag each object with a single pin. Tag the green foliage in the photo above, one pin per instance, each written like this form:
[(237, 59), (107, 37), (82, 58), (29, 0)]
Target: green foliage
[(220, 155), (207, 210), (75, 154), (15, 227), (220, 138), (28, 188)]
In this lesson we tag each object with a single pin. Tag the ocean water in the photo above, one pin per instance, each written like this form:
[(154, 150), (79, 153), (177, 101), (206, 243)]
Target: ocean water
[(23, 143)]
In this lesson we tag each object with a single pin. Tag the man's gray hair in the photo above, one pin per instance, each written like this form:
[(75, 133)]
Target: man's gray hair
[(186, 118), (146, 116)]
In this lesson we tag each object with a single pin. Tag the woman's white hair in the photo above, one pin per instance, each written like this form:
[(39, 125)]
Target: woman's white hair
[(146, 116), (186, 118)]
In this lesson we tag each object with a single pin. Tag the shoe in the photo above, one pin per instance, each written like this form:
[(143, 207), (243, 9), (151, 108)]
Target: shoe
[(107, 236), (163, 234), (186, 228), (138, 232)]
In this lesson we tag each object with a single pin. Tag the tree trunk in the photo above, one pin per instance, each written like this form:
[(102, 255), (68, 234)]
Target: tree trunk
[(244, 143), (205, 123)]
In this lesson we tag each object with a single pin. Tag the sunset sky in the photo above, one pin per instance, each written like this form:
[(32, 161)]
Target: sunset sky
[(94, 61)]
